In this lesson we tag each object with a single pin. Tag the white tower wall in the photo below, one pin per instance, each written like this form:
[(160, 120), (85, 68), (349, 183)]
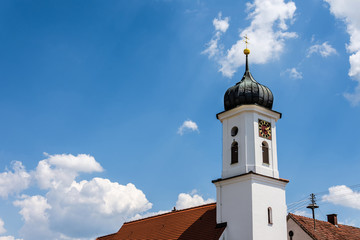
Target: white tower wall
[(245, 118), (249, 187), (243, 202)]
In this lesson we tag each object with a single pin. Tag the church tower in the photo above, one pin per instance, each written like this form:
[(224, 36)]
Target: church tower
[(250, 194)]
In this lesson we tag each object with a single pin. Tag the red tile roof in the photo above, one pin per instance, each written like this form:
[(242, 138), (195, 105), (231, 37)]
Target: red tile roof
[(326, 230), (192, 223)]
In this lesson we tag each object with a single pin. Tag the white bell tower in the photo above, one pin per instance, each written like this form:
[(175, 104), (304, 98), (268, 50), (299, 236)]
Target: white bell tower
[(241, 127), (250, 194)]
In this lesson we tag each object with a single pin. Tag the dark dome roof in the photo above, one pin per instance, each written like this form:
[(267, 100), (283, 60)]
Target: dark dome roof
[(248, 91)]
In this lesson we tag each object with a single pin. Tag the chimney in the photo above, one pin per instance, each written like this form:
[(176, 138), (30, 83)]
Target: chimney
[(332, 218)]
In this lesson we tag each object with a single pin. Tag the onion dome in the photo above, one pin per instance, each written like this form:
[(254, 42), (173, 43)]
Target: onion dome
[(248, 91)]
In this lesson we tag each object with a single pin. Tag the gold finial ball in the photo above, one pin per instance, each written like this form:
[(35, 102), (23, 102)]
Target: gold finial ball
[(246, 51)]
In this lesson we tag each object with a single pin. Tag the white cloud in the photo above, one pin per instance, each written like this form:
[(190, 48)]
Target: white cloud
[(33, 208), (70, 208), (15, 181), (82, 209), (79, 163), (8, 238), (221, 26), (344, 196), (324, 50), (302, 213), (104, 197), (61, 169), (188, 125), (349, 14), (267, 33), (2, 229), (98, 204), (292, 73), (354, 98), (34, 211), (186, 200)]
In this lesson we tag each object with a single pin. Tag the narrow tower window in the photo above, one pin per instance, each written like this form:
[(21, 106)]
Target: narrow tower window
[(265, 152), (234, 131), (270, 221), (234, 152)]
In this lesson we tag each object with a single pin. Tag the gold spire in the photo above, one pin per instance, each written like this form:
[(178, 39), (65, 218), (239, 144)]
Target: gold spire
[(246, 50)]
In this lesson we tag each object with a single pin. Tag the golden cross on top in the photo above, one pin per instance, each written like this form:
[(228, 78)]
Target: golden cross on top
[(246, 40)]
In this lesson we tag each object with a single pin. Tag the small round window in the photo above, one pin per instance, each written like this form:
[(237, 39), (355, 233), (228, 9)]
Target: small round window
[(234, 131)]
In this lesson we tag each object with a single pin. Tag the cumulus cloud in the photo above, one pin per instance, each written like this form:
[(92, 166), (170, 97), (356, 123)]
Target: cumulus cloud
[(79, 163), (188, 125), (292, 73), (324, 50), (33, 208), (14, 181), (99, 205), (104, 195), (267, 33), (349, 14), (186, 200), (61, 169), (2, 229), (344, 196), (35, 215), (83, 209), (71, 208)]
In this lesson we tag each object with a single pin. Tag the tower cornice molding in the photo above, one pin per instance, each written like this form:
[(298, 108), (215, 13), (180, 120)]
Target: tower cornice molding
[(251, 176), (248, 108)]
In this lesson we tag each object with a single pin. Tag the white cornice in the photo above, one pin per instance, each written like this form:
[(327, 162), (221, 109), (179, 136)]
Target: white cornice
[(258, 178), (248, 108)]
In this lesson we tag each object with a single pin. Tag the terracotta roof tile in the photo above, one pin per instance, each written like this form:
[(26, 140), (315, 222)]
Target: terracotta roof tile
[(325, 230), (192, 223)]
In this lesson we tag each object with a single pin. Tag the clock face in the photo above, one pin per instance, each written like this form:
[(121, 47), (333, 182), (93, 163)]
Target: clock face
[(264, 129)]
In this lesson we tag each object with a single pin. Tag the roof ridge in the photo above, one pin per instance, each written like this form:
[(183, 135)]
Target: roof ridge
[(170, 213)]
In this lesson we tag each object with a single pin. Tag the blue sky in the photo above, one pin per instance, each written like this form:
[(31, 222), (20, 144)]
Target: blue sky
[(108, 107)]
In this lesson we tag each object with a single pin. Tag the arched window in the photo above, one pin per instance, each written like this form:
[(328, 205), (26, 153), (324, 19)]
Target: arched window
[(234, 152), (265, 152), (270, 221)]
